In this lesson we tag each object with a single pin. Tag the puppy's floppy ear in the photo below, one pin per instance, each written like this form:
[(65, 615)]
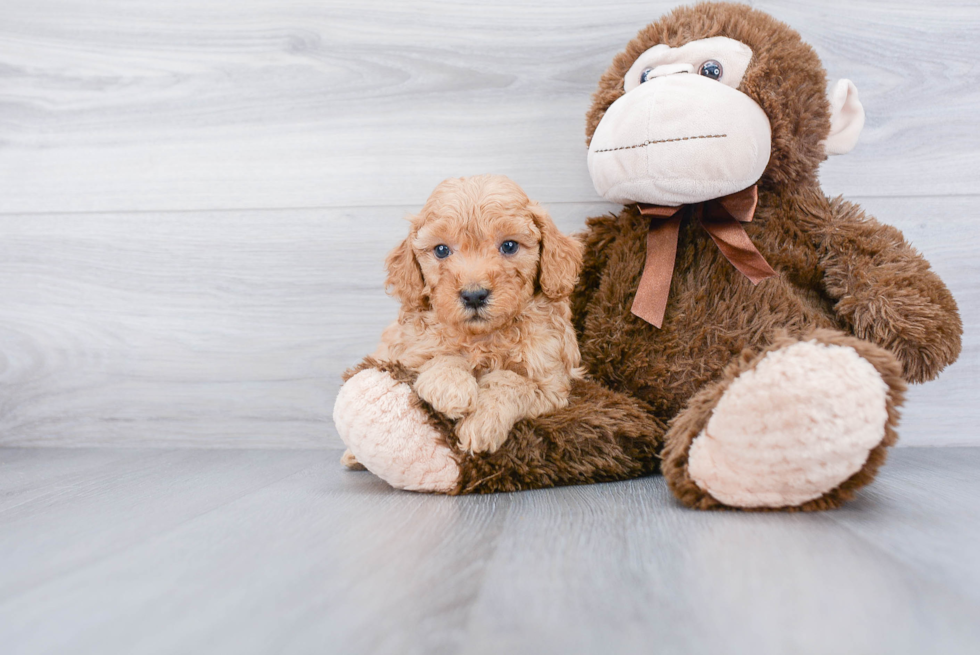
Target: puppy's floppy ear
[(561, 256), (404, 279)]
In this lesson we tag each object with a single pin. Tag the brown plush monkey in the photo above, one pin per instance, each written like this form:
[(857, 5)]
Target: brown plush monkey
[(737, 324)]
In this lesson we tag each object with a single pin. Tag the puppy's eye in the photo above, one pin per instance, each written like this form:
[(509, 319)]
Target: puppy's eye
[(711, 69), (645, 75), (509, 247), (442, 251)]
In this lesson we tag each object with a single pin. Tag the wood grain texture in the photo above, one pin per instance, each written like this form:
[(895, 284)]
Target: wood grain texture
[(100, 503), (254, 552), (133, 105), (195, 201), (231, 329), (228, 324)]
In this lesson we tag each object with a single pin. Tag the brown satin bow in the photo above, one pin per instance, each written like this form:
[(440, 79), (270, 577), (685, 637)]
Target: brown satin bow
[(722, 219)]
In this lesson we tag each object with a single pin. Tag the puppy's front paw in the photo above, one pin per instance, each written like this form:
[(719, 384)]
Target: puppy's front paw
[(348, 460), (483, 431), (450, 391)]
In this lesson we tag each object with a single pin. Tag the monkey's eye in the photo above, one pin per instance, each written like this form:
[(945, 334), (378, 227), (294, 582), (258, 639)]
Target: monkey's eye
[(645, 75), (509, 247), (710, 69), (442, 251)]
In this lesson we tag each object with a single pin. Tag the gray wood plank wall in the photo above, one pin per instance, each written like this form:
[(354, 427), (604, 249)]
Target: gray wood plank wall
[(196, 196)]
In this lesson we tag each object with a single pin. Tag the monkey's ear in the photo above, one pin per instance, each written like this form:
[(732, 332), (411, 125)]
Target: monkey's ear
[(405, 280), (846, 118), (561, 256)]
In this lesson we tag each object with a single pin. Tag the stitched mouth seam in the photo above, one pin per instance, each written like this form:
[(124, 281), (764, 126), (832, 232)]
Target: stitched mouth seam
[(650, 143)]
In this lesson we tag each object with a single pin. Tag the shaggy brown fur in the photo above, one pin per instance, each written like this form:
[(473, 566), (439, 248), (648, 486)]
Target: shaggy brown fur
[(508, 359), (843, 278)]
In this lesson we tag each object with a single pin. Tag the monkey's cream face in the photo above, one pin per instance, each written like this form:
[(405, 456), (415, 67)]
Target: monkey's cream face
[(682, 132)]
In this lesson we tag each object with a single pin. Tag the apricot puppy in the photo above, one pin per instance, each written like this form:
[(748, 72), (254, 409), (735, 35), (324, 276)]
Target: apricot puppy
[(484, 279)]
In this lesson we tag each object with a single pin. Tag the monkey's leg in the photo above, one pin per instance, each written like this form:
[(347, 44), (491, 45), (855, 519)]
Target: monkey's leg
[(600, 436), (391, 432), (799, 425)]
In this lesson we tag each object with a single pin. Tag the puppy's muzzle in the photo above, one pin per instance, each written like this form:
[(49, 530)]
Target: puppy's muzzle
[(474, 298)]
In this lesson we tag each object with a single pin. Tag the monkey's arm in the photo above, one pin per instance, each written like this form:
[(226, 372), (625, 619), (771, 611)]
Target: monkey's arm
[(885, 291), (599, 233)]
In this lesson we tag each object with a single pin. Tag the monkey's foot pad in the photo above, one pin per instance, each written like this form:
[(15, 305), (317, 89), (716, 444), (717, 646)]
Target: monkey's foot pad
[(390, 436), (794, 427)]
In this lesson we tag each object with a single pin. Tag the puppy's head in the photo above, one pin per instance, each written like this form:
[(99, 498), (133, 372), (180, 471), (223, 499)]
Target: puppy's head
[(478, 252)]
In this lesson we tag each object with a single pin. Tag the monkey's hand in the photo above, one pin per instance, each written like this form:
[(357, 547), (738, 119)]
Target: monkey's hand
[(447, 384), (886, 292)]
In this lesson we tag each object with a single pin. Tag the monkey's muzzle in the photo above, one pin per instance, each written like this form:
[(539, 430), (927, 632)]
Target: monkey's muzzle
[(679, 139)]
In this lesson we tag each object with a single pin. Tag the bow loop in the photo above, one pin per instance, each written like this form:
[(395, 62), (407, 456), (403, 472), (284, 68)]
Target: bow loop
[(740, 206)]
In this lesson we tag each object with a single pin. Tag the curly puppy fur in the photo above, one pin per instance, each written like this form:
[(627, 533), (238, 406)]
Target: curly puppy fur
[(843, 278), (510, 358)]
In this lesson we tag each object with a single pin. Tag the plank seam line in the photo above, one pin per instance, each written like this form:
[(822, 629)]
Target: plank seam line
[(409, 206)]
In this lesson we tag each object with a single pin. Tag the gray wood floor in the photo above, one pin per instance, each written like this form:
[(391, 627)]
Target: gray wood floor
[(259, 551)]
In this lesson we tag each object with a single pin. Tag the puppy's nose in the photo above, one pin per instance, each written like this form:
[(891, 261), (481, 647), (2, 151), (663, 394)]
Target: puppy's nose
[(474, 299)]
